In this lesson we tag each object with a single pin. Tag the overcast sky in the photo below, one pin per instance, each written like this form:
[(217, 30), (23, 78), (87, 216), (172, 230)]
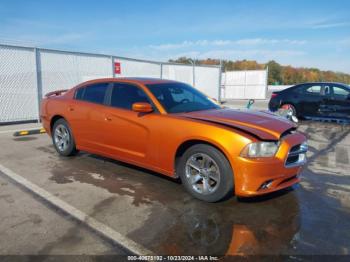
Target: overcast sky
[(300, 33)]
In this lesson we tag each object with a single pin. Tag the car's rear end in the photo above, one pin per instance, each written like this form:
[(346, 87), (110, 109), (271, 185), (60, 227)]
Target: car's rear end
[(275, 101), (48, 108)]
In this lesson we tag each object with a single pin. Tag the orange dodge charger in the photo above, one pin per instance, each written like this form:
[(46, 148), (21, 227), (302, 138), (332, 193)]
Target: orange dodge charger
[(173, 129)]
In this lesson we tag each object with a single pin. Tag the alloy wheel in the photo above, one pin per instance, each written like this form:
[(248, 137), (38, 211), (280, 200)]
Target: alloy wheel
[(202, 173)]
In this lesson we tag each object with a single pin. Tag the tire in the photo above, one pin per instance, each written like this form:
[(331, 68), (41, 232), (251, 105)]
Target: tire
[(62, 138), (206, 173), (290, 107)]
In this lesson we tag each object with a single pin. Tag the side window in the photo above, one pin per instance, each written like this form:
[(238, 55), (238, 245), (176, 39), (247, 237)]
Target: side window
[(79, 93), (315, 89), (340, 92), (94, 93), (124, 95), (299, 89)]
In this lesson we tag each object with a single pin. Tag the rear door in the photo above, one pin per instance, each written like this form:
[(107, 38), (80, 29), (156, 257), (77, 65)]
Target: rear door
[(339, 101), (86, 116)]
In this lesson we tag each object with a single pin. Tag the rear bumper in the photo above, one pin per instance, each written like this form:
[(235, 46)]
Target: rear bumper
[(261, 176), (274, 104), (46, 124)]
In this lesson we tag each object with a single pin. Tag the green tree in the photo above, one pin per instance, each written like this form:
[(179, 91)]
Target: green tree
[(275, 72), (287, 75)]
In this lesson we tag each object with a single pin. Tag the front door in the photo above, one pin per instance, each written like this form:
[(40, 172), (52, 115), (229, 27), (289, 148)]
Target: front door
[(129, 135), (339, 101)]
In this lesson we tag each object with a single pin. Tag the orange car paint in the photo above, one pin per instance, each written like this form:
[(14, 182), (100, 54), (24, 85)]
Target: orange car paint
[(151, 140)]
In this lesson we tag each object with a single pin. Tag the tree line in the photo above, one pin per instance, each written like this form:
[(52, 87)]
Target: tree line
[(277, 74)]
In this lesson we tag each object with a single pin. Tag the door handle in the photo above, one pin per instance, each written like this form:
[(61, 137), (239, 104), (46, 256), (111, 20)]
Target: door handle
[(70, 108), (108, 118)]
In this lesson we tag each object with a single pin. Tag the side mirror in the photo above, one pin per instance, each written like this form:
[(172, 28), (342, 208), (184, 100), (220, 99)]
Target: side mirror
[(142, 107)]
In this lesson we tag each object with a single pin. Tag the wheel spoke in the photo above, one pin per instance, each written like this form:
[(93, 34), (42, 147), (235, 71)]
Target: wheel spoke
[(58, 133), (194, 164), (214, 176), (206, 186), (195, 179), (206, 162)]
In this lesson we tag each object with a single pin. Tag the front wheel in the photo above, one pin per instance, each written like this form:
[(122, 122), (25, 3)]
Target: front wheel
[(206, 173), (63, 139)]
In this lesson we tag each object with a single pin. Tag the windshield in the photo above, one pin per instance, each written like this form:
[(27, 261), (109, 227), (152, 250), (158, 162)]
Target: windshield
[(180, 98)]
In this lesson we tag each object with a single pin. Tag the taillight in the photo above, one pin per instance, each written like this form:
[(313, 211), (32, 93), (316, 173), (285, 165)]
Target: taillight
[(274, 95)]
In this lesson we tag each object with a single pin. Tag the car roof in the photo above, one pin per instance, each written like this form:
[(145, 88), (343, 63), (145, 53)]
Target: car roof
[(137, 80), (319, 83)]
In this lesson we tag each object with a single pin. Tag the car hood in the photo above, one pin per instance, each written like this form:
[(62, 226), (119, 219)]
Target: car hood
[(262, 124)]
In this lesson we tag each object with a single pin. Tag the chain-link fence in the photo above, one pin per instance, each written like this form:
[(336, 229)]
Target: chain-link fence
[(27, 74)]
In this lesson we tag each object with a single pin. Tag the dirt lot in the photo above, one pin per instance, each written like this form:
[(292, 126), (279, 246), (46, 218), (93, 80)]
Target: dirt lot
[(156, 213)]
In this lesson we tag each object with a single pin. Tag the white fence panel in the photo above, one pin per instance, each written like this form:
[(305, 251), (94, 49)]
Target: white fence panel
[(61, 70), (18, 84), (251, 84), (27, 74), (236, 78), (134, 68), (207, 80), (182, 73)]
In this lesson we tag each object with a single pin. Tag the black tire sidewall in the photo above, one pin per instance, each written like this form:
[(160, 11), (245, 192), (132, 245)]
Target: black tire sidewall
[(71, 150), (225, 188)]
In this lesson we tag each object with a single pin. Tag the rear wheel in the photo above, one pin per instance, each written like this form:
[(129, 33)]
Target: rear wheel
[(206, 173), (63, 139), (289, 107)]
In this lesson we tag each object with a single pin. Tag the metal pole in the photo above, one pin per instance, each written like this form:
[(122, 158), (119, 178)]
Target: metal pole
[(194, 72), (161, 70), (245, 84), (39, 83), (220, 76), (113, 67), (267, 81)]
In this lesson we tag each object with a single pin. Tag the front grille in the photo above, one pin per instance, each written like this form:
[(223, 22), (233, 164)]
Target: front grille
[(292, 159), (295, 148), (297, 155)]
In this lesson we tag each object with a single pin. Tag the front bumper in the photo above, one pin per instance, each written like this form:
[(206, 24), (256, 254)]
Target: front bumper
[(257, 176)]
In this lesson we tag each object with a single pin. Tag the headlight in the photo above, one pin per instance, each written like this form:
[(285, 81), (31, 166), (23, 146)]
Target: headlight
[(260, 149)]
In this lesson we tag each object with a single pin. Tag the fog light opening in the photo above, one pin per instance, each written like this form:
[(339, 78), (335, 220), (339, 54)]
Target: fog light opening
[(266, 184)]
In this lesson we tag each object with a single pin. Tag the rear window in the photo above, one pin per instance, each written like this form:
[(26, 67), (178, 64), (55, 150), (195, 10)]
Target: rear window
[(94, 93), (79, 94)]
